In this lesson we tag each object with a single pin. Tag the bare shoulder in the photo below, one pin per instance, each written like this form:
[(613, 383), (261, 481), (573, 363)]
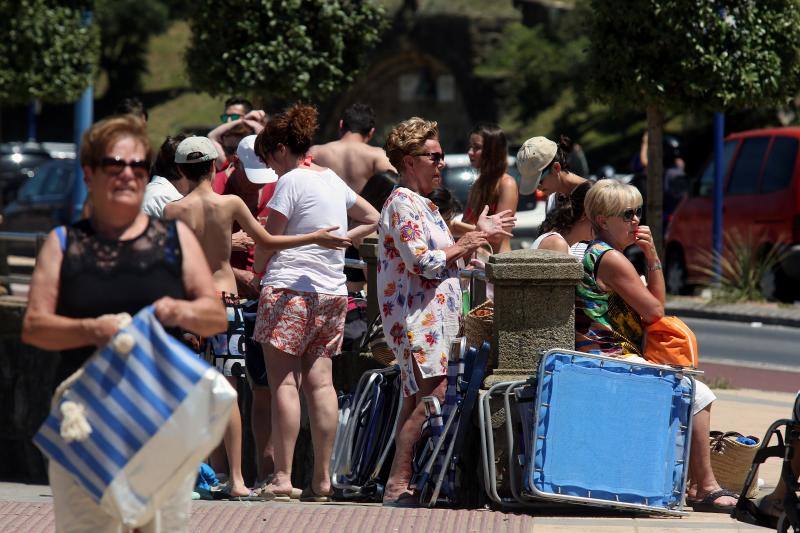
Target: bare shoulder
[(507, 180)]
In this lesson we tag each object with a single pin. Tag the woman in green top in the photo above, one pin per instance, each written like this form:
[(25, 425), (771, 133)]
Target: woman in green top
[(613, 306)]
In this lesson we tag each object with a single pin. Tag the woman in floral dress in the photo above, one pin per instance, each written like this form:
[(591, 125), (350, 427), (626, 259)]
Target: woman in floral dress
[(418, 286)]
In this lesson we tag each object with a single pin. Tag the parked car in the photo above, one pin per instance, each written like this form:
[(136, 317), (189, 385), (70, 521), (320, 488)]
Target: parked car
[(458, 177), (19, 160), (43, 201), (761, 200)]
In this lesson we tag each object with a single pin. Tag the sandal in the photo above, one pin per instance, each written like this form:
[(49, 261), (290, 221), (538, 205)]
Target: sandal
[(279, 496), (309, 495), (709, 505), (252, 496), (405, 500)]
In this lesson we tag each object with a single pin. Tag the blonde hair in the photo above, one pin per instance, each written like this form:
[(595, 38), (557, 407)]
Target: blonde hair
[(105, 133), (610, 198), (408, 138)]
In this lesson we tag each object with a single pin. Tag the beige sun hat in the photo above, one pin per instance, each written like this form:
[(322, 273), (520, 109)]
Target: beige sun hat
[(533, 157)]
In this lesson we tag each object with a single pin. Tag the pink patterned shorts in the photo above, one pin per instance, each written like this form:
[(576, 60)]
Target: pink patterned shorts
[(301, 322)]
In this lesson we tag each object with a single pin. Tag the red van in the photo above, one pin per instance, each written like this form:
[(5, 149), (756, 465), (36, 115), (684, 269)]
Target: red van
[(761, 198)]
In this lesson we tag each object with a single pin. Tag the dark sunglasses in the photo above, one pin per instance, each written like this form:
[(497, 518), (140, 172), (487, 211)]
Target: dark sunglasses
[(232, 116), (629, 213), (436, 157), (114, 166)]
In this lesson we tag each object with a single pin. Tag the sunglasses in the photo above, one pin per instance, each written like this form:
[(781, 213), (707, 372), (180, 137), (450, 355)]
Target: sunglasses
[(629, 213), (113, 166), (435, 157), (225, 117)]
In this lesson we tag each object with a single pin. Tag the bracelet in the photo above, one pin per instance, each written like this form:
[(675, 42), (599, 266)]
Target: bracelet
[(654, 267)]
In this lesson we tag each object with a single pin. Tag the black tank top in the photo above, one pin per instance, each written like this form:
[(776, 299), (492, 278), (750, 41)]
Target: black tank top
[(100, 276)]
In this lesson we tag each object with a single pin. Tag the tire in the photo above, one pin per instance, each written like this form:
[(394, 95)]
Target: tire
[(675, 273)]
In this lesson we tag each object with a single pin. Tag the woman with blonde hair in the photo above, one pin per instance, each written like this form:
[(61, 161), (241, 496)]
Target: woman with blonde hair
[(419, 293), (613, 307)]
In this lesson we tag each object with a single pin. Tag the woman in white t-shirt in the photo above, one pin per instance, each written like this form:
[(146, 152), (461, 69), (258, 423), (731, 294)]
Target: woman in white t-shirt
[(303, 299)]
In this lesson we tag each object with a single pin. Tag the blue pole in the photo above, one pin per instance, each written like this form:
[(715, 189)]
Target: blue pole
[(719, 176), (84, 115), (32, 121)]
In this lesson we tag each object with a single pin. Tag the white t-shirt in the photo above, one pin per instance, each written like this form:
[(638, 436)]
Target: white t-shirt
[(158, 193), (311, 200)]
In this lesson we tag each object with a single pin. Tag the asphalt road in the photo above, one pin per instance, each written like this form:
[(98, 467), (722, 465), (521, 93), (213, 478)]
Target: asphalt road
[(776, 347)]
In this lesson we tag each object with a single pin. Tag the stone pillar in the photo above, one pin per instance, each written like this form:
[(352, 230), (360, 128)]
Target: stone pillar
[(369, 254), (534, 309)]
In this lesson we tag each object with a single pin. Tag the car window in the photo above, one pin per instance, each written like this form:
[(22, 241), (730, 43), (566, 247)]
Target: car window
[(747, 168), (780, 164), (57, 181), (32, 187), (458, 180), (706, 183)]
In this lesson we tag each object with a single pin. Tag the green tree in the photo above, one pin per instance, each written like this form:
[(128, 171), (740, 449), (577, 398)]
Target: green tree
[(678, 55), (281, 49), (46, 51), (125, 29)]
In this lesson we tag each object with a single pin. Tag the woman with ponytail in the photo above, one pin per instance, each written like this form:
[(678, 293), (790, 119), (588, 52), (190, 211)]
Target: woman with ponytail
[(303, 299)]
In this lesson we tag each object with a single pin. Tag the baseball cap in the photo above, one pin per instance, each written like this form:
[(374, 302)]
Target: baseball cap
[(195, 149), (255, 169), (534, 156)]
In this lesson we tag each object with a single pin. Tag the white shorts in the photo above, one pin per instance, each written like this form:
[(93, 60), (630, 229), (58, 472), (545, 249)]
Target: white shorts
[(702, 394)]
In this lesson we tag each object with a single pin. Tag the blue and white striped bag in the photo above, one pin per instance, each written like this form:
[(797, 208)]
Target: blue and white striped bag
[(154, 411)]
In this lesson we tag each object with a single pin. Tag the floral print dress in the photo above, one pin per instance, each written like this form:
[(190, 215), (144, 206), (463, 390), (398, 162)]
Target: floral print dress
[(418, 293)]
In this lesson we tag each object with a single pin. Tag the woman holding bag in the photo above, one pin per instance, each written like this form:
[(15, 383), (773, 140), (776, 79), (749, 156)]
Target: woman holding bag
[(117, 261), (613, 308)]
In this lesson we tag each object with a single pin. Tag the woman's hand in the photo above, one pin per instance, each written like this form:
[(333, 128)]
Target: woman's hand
[(327, 239), (101, 329), (171, 312), (472, 240), (644, 240), (240, 241), (498, 224)]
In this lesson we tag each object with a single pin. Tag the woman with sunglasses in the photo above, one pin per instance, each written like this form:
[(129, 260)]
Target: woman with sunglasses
[(613, 307), (488, 153), (419, 293), (119, 260)]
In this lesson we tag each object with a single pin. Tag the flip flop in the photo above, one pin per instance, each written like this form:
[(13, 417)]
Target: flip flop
[(309, 495), (708, 505), (407, 500), (295, 495), (222, 495)]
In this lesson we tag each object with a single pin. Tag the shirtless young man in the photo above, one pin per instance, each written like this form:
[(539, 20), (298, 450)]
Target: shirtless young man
[(351, 157), (211, 217)]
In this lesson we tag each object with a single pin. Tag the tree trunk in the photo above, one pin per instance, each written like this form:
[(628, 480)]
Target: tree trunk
[(655, 173)]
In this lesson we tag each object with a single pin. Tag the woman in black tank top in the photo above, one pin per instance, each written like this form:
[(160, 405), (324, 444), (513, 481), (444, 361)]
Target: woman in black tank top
[(117, 261)]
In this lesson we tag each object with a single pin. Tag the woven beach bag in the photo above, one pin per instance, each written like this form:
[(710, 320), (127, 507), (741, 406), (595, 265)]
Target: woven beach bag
[(478, 327), (731, 460)]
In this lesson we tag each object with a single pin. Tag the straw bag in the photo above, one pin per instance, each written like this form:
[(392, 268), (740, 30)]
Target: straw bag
[(376, 342), (731, 460), (478, 327)]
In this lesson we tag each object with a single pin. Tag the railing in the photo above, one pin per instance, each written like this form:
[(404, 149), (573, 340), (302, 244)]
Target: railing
[(35, 240)]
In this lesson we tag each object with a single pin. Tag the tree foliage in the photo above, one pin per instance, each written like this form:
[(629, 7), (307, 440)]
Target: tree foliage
[(714, 55), (699, 54), (125, 29), (285, 49), (46, 51)]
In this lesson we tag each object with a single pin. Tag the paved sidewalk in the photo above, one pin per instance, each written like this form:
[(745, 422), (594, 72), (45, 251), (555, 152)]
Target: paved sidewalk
[(29, 507), (764, 312)]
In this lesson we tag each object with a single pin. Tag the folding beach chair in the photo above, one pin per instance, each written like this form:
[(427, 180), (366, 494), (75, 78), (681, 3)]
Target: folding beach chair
[(607, 432), (746, 510), (444, 433), (365, 437)]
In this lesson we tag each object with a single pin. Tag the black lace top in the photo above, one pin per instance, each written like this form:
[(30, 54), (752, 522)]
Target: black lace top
[(100, 276)]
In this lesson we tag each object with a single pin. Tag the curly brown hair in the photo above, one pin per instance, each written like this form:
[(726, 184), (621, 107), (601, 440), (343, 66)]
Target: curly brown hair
[(568, 211), (408, 138), (294, 128)]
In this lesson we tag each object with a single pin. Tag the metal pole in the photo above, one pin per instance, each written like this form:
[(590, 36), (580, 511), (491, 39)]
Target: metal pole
[(84, 115), (32, 121), (719, 176)]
